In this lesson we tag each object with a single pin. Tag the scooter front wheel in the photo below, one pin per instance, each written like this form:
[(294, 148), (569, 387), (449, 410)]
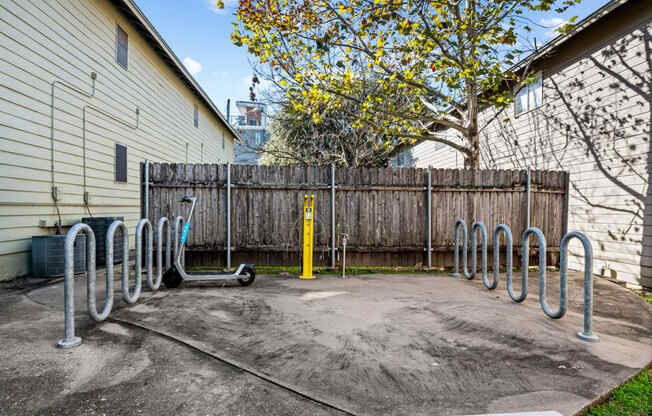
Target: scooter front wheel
[(249, 275), (172, 278)]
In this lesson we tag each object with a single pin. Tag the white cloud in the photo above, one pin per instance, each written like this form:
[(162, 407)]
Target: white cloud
[(192, 66), (553, 23), (228, 4)]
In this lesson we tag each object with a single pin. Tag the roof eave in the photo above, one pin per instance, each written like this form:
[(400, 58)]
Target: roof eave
[(173, 60)]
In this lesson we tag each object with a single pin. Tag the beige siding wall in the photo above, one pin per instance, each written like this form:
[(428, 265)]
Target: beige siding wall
[(594, 123), (43, 41)]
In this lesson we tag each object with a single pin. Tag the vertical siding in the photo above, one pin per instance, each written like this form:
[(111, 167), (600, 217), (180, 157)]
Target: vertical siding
[(595, 123), (43, 41)]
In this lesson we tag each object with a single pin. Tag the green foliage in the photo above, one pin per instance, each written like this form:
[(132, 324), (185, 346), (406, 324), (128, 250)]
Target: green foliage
[(631, 399), (435, 62), (300, 138)]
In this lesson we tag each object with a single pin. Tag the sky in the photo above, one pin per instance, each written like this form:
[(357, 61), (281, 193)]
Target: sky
[(199, 34)]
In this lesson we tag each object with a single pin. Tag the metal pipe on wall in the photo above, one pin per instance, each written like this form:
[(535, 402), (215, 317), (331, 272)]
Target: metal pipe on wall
[(228, 215), (333, 216), (146, 213), (93, 76), (527, 201)]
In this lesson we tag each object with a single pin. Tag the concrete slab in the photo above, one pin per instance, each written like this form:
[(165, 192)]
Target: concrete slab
[(409, 344)]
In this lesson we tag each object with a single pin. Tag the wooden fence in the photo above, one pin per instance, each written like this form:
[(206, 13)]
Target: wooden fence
[(383, 210)]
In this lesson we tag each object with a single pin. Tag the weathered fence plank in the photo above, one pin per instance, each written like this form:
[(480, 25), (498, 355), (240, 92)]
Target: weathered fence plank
[(381, 209)]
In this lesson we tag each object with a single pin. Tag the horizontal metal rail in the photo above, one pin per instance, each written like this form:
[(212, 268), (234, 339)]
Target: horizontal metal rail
[(70, 339), (587, 334)]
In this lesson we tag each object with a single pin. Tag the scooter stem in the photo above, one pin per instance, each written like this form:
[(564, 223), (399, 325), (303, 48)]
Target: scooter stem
[(186, 229)]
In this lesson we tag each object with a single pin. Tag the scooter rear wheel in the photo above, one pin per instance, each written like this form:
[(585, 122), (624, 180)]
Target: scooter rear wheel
[(172, 278), (249, 276)]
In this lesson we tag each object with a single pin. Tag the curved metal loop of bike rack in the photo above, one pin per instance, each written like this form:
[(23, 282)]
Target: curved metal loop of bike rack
[(542, 273), (508, 258), (144, 224), (483, 232), (163, 222), (474, 251), (460, 223), (70, 340), (587, 334)]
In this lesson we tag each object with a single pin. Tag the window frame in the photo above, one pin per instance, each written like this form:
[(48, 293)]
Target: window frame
[(119, 29), (530, 93), (117, 177)]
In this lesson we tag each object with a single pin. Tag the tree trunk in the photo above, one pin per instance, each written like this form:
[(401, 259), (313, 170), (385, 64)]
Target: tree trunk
[(472, 159)]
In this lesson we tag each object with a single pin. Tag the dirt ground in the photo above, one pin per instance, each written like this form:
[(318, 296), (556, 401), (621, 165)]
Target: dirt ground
[(368, 345)]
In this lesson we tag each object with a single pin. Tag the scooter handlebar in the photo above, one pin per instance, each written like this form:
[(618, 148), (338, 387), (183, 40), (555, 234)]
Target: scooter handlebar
[(189, 198)]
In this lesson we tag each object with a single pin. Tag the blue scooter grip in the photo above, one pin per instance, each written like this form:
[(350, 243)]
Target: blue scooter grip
[(184, 234)]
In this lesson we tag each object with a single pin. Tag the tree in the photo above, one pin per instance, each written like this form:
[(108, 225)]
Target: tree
[(436, 62), (299, 139)]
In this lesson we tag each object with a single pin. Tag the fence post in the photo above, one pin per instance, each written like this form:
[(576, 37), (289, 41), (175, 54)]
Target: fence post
[(564, 213), (429, 218), (332, 216), (228, 215)]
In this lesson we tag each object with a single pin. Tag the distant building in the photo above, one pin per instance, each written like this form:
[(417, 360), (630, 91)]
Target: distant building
[(251, 123)]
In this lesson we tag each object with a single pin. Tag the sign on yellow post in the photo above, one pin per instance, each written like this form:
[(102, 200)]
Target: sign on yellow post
[(308, 221)]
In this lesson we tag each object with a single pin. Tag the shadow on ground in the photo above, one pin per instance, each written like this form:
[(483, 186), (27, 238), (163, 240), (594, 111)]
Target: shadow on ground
[(399, 344)]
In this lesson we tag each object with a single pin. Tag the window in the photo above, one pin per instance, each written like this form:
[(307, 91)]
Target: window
[(196, 116), (121, 46), (223, 140), (120, 163), (529, 97)]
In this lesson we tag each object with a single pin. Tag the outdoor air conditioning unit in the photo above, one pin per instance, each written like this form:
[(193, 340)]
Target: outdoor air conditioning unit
[(100, 225), (48, 255)]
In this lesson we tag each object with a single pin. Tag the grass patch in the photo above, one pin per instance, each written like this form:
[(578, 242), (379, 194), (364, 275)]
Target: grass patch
[(647, 297), (633, 398), (353, 270)]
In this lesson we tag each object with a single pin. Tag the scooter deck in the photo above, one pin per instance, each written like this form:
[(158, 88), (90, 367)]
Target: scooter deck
[(195, 277)]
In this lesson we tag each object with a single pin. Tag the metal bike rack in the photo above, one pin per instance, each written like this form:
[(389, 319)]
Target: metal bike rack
[(70, 340), (587, 334)]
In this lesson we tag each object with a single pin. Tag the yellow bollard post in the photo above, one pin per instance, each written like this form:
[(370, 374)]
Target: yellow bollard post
[(308, 221)]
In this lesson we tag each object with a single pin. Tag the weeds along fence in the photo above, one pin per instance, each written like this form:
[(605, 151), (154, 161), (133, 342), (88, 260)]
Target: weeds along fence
[(382, 210)]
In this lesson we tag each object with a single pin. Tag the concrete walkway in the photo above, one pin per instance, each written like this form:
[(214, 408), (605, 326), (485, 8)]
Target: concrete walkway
[(369, 345)]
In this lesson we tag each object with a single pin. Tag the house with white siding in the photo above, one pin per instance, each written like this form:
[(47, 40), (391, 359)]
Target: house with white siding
[(88, 91), (588, 113)]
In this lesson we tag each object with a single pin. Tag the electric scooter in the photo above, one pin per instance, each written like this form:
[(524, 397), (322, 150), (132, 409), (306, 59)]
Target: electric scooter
[(176, 274)]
